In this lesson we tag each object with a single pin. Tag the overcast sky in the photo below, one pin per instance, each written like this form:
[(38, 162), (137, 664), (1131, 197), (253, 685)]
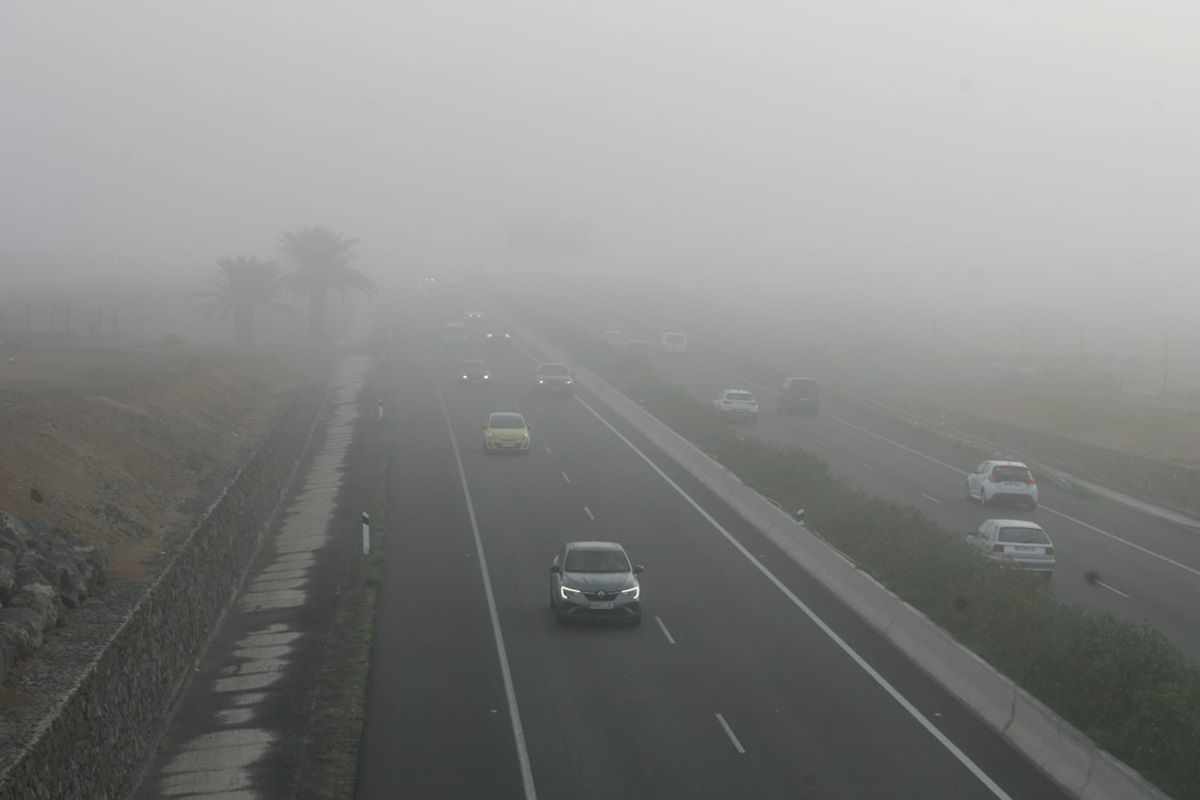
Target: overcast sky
[(1041, 152)]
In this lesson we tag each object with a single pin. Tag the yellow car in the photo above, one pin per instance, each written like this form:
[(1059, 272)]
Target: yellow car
[(506, 432)]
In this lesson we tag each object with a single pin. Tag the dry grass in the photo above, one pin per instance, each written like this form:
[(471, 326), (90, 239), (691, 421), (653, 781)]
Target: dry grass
[(123, 446)]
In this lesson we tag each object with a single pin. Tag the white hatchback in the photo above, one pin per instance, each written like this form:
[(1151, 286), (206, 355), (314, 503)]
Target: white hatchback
[(674, 342), (1002, 480), (1015, 543)]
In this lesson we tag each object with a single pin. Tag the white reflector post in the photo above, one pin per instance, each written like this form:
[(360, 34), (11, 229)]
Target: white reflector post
[(366, 530)]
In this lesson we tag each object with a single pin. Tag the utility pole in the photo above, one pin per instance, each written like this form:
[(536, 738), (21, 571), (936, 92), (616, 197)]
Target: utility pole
[(1166, 360)]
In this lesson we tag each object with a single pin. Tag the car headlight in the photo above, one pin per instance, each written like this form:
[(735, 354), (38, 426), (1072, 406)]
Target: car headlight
[(566, 592), (485, 377), (489, 336), (568, 382), (540, 380), (636, 591), (507, 336), (466, 377)]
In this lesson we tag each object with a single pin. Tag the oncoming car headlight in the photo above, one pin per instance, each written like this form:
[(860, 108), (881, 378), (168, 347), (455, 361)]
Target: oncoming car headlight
[(636, 591), (566, 592)]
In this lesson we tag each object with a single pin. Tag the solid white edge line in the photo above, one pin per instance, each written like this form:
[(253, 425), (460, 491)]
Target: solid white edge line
[(546, 448), (1113, 589), (588, 511), (566, 477), (931, 498), (502, 653), (883, 683), (870, 467), (662, 626), (729, 732)]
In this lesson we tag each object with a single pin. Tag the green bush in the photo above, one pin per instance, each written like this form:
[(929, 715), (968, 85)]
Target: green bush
[(1124, 685)]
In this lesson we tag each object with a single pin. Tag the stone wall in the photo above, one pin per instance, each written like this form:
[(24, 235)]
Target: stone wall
[(94, 739)]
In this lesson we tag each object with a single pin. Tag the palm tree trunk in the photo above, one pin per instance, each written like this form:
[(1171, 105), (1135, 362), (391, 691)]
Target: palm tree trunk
[(316, 314), (243, 326)]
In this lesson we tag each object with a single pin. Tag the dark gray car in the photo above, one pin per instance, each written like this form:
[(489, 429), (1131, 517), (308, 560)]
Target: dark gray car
[(595, 579), (553, 378)]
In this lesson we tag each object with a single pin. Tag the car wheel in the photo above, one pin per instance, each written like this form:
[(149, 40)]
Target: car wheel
[(983, 498), (970, 496), (1032, 505)]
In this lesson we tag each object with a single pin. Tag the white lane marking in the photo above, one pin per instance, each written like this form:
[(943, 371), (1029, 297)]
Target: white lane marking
[(566, 477), (502, 653), (870, 467), (882, 682), (588, 511), (729, 732), (1112, 589), (1056, 512), (820, 443), (931, 498), (662, 626), (546, 448)]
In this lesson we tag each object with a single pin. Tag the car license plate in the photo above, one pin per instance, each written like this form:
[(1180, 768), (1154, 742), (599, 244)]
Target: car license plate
[(1027, 549), (600, 605)]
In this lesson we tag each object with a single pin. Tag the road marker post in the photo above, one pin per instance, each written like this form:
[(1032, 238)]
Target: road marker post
[(366, 533), (381, 409)]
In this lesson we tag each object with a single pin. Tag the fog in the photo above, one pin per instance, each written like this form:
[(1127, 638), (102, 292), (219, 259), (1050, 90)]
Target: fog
[(919, 160)]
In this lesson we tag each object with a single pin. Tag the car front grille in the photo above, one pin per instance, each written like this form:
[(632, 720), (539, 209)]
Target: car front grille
[(606, 595)]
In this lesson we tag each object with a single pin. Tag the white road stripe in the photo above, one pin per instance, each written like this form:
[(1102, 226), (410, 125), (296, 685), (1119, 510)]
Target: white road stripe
[(820, 443), (1112, 589), (588, 511), (729, 732), (931, 498), (501, 652), (546, 448), (566, 477), (881, 681), (663, 627), (870, 467)]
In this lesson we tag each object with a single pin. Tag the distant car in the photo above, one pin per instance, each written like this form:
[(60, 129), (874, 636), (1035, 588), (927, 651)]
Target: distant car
[(614, 338), (474, 313), (736, 405), (506, 432), (1015, 543), (595, 579), (550, 377), (993, 481), (498, 334), (799, 396), (674, 343), (476, 373), (454, 334)]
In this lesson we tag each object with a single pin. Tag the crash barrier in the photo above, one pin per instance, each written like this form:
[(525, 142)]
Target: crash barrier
[(1060, 750)]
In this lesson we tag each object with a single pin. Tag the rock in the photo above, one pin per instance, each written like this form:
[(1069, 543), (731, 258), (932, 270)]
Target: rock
[(8, 574), (65, 577), (27, 575), (9, 653), (41, 599), (94, 558), (22, 626)]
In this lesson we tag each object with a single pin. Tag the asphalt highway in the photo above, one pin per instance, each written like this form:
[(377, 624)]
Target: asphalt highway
[(1148, 569), (745, 679)]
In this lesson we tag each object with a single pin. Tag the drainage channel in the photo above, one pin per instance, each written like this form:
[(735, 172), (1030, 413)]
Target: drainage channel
[(239, 727)]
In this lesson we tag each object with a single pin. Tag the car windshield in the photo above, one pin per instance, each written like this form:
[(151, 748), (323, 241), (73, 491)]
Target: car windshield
[(1010, 473), (739, 396), (553, 369), (474, 366), (507, 421), (596, 561), (674, 338), (1023, 536)]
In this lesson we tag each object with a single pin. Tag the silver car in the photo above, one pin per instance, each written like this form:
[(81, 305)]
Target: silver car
[(1015, 543), (595, 579)]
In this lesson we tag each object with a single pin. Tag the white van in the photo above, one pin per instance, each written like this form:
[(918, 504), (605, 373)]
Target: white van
[(674, 342)]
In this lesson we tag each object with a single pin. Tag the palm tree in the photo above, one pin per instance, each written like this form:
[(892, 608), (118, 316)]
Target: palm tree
[(323, 261), (241, 285)]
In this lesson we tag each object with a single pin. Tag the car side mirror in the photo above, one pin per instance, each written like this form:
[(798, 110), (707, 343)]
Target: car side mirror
[(556, 569), (637, 568)]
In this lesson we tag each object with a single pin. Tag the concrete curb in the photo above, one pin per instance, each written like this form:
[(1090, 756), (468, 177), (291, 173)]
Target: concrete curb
[(1062, 752)]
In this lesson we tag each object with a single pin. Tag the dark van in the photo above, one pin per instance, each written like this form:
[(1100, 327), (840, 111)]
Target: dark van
[(799, 396)]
